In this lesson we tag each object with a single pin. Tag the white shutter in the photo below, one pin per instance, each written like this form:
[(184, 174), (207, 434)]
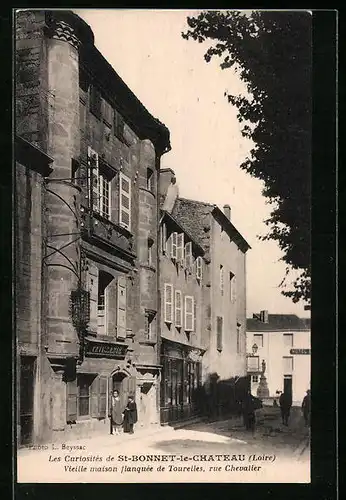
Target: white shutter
[(174, 241), (121, 307), (234, 289), (93, 178), (199, 268), (188, 255), (178, 309), (163, 238), (189, 313), (125, 201), (180, 247), (92, 287), (168, 301)]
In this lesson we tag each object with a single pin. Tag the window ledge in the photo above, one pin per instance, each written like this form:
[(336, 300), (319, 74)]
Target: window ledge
[(147, 342)]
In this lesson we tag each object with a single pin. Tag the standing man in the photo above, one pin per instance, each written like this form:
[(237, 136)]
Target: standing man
[(130, 415), (285, 402), (116, 413), (306, 407), (249, 416)]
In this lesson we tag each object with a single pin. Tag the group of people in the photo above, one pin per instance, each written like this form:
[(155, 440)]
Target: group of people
[(122, 419), (250, 404)]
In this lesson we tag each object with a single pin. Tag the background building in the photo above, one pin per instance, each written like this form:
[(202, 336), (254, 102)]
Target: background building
[(95, 289), (283, 342)]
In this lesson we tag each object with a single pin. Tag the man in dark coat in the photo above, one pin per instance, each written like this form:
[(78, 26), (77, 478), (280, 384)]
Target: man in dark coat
[(306, 406), (248, 408), (130, 415), (285, 402), (116, 413)]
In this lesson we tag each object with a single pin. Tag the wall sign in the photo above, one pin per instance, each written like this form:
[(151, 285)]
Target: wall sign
[(300, 351), (105, 350)]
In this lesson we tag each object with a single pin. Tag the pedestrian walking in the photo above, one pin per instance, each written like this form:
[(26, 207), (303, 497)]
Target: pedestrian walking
[(116, 413), (130, 415), (306, 406), (285, 402)]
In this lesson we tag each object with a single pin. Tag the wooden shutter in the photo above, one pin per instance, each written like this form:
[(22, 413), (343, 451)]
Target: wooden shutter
[(102, 397), (174, 242), (94, 397), (163, 238), (71, 401), (219, 326), (180, 247), (169, 245), (189, 307), (93, 178), (199, 268), (188, 255), (125, 201), (111, 316), (178, 309), (92, 287), (168, 300), (132, 386), (121, 307)]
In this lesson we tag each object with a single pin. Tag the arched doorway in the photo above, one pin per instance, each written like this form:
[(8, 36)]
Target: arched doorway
[(125, 385)]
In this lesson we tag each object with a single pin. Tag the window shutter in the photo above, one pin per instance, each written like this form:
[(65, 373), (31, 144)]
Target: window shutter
[(178, 309), (174, 241), (189, 308), (188, 255), (94, 179), (163, 238), (180, 247), (102, 396), (92, 286), (132, 386), (121, 308), (125, 201), (71, 401), (234, 289), (111, 313), (199, 268), (94, 397), (168, 300), (219, 325)]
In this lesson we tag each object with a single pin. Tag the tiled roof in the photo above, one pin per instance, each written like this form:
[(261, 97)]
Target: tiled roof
[(278, 322)]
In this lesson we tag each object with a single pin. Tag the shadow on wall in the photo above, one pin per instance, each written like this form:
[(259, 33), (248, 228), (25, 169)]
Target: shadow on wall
[(221, 398)]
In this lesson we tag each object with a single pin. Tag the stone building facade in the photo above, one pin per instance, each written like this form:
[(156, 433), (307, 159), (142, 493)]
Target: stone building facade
[(100, 217)]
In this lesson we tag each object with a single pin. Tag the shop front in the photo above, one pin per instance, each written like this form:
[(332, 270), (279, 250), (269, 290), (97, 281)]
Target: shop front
[(180, 382)]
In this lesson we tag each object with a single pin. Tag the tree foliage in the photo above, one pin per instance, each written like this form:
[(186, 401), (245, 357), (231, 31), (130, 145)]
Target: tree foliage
[(271, 51)]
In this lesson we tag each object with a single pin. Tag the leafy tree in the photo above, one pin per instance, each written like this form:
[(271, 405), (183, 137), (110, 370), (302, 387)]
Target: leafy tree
[(271, 51)]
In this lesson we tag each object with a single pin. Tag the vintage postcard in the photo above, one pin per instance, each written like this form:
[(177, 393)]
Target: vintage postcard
[(162, 246)]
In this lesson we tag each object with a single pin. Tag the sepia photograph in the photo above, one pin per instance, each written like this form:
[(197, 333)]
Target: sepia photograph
[(161, 245)]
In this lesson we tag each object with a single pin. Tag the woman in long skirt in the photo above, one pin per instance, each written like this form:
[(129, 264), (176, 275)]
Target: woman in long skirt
[(116, 413)]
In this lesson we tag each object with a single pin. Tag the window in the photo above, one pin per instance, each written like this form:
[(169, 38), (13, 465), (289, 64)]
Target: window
[(287, 364), (219, 332), (168, 301), (174, 241), (103, 282), (255, 379), (125, 201), (118, 123), (150, 179), (148, 325), (100, 185), (238, 340), (231, 287), (150, 246), (95, 102), (188, 255), (178, 309), (288, 339), (199, 268), (221, 280), (83, 384), (163, 238), (189, 313), (253, 364), (258, 339), (180, 248)]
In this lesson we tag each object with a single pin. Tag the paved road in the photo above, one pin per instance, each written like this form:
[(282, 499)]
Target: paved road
[(205, 452)]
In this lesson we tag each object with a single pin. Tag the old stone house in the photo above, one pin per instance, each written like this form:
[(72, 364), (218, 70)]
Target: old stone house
[(97, 291)]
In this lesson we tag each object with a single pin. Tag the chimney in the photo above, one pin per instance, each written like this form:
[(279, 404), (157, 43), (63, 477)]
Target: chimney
[(227, 211), (166, 176), (264, 316), (169, 191)]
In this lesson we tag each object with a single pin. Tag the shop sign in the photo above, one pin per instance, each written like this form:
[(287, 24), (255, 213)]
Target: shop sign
[(105, 350), (300, 351)]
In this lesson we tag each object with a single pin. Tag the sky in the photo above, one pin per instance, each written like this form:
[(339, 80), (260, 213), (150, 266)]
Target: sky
[(170, 77)]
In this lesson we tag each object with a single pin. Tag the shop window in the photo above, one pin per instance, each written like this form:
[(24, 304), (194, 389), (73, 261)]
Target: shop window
[(125, 201), (95, 102), (219, 333)]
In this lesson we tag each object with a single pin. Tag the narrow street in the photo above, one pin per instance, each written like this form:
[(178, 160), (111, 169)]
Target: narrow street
[(219, 451)]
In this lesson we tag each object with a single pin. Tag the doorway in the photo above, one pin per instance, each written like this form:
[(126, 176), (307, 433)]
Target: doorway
[(125, 385), (288, 385), (26, 406)]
